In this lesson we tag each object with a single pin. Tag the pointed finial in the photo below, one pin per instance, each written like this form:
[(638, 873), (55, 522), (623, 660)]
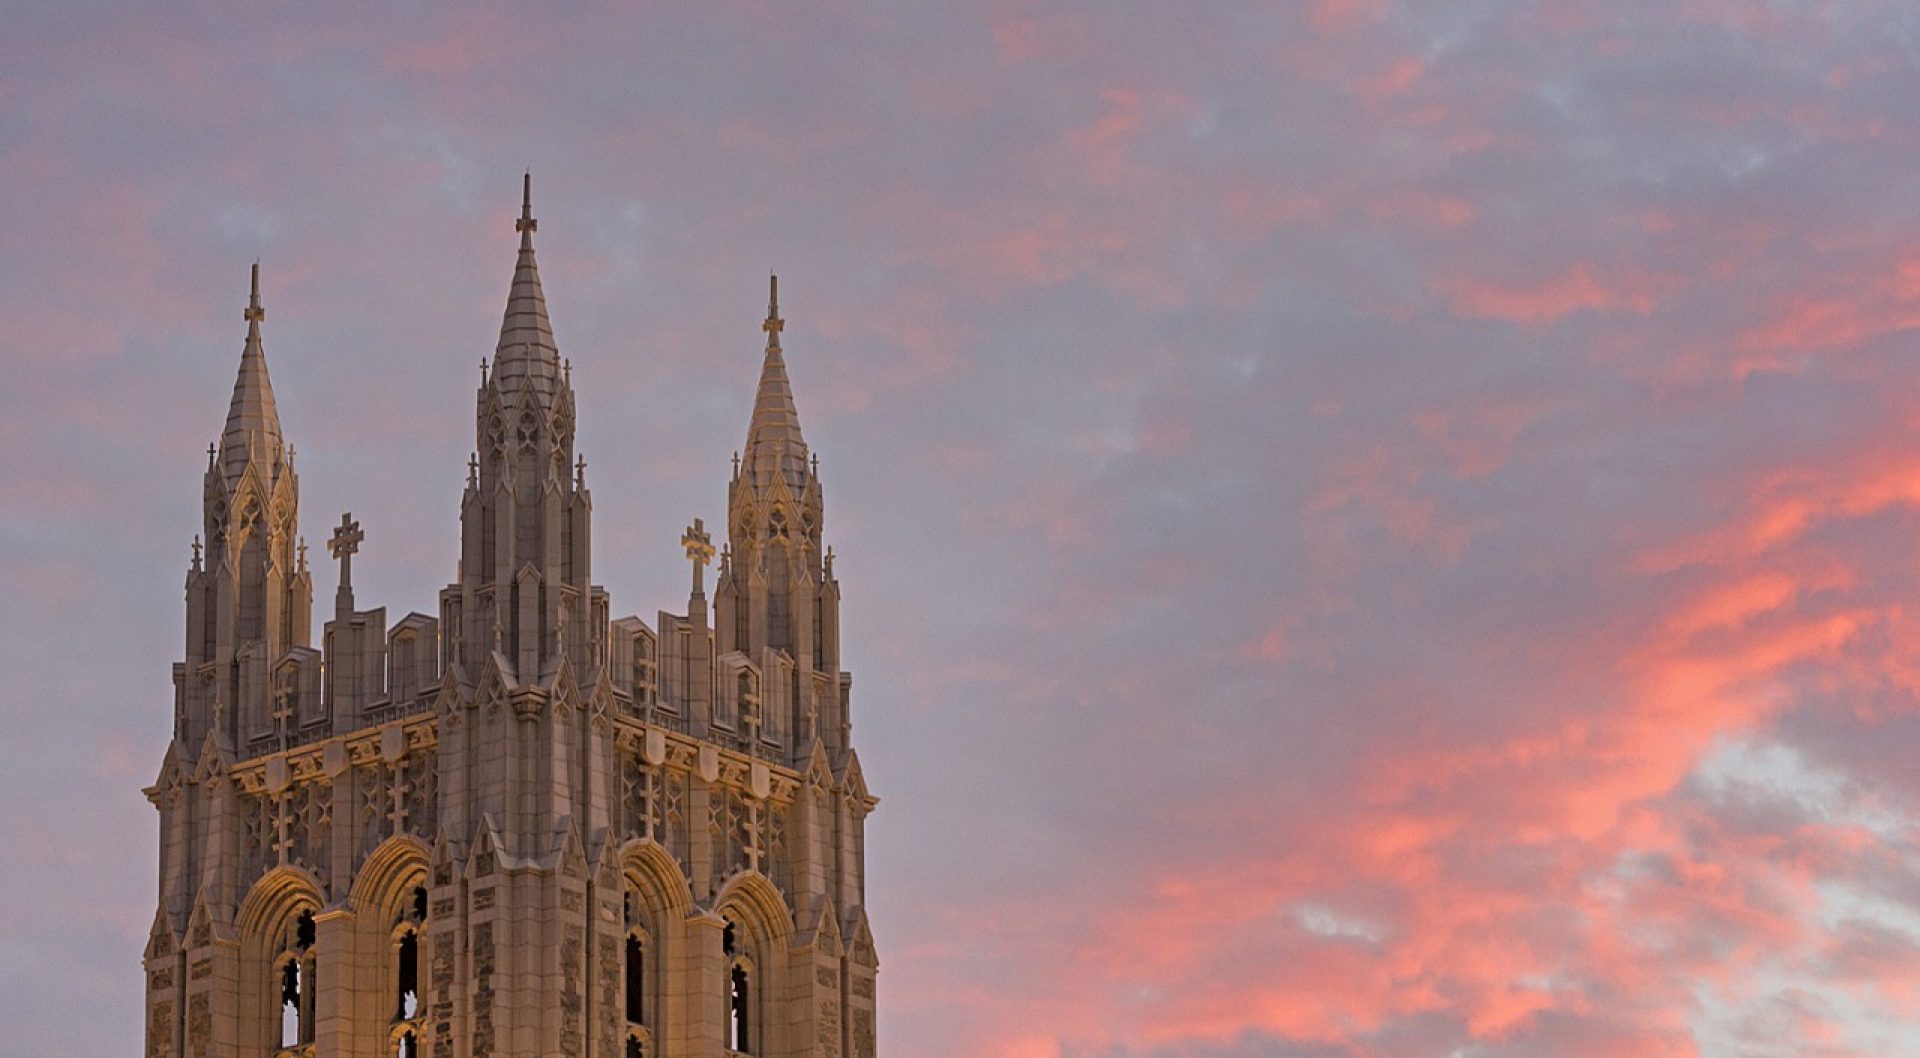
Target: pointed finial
[(254, 313), (774, 324), (526, 225), (303, 554), (829, 561), (566, 368), (580, 473), (736, 462), (473, 469), (483, 370), (196, 552)]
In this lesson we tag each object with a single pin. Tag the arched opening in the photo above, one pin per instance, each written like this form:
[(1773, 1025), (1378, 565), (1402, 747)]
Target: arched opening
[(739, 991), (654, 901), (406, 960), (739, 1006), (290, 1002), (408, 976), (407, 1045), (296, 975), (633, 963), (636, 980)]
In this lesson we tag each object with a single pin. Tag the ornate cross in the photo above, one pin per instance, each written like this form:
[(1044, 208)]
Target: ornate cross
[(397, 814), (700, 550), (283, 714), (526, 223), (343, 546), (282, 826)]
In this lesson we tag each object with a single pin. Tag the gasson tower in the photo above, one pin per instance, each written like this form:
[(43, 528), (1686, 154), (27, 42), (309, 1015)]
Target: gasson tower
[(519, 827)]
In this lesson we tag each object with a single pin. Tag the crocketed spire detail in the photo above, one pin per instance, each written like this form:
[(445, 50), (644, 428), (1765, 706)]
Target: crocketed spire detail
[(253, 423), (774, 443), (526, 358)]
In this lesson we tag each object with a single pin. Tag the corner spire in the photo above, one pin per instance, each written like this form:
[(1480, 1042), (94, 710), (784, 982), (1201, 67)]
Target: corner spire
[(253, 421), (526, 357)]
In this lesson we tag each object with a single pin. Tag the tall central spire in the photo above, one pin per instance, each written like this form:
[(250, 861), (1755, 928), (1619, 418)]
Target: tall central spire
[(524, 594), (774, 444), (253, 422), (526, 357)]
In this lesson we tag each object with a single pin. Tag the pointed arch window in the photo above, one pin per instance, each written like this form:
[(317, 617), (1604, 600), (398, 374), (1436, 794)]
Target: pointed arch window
[(739, 1009), (741, 1028), (635, 960), (295, 974), (408, 1007)]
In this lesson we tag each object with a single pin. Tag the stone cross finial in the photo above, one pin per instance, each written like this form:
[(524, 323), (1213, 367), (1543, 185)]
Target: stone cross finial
[(699, 550), (580, 473), (345, 543), (196, 551), (483, 370), (210, 453), (254, 313), (526, 223), (303, 554), (774, 324)]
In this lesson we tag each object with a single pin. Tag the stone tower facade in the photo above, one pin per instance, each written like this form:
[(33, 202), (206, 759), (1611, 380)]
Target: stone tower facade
[(521, 828)]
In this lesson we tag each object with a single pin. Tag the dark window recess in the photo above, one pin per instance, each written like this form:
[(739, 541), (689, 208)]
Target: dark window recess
[(290, 1003), (408, 978), (636, 981), (737, 1005)]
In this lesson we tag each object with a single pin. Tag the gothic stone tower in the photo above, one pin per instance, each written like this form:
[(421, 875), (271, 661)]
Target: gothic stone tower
[(522, 828)]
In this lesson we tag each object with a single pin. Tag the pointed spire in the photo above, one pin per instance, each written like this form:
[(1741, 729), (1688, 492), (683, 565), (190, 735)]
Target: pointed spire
[(773, 435), (253, 422), (526, 357)]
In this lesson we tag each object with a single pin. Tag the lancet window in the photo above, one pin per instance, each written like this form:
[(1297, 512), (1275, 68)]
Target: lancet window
[(637, 957), (295, 973), (408, 1007), (741, 1030)]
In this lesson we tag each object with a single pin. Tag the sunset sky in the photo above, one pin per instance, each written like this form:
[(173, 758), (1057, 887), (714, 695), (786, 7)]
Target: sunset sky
[(1367, 528)]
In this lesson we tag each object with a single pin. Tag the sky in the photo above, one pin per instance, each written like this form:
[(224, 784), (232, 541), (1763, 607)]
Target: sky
[(1368, 529)]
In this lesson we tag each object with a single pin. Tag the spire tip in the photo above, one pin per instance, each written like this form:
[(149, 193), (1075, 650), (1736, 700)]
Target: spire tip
[(254, 313), (774, 324), (526, 225)]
